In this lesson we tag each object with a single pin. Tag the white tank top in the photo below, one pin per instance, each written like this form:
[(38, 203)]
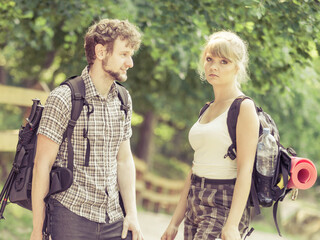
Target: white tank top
[(210, 142)]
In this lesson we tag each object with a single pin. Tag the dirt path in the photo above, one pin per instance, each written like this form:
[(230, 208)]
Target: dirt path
[(153, 225)]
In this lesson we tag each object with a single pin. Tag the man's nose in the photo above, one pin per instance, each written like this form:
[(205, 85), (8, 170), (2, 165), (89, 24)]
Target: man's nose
[(129, 62)]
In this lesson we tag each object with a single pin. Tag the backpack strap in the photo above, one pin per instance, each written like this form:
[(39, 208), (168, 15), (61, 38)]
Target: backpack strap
[(232, 120), (253, 197), (204, 108), (285, 165), (123, 97), (77, 87), (62, 178)]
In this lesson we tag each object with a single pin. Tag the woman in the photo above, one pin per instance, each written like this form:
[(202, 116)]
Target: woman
[(213, 202)]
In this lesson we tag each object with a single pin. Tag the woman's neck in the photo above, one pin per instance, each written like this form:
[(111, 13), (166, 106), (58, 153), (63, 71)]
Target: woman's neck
[(226, 94)]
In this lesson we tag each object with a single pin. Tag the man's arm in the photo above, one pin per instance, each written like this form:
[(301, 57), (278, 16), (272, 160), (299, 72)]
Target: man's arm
[(45, 156), (126, 181)]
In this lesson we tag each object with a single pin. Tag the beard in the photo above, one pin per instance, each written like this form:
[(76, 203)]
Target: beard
[(115, 75)]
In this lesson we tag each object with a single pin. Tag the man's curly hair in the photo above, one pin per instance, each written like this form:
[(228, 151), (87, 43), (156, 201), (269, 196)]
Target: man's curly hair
[(105, 32)]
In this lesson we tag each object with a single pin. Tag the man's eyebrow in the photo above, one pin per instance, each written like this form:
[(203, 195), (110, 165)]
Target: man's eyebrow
[(131, 52)]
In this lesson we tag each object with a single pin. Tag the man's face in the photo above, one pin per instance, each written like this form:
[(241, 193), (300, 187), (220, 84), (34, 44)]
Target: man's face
[(117, 64)]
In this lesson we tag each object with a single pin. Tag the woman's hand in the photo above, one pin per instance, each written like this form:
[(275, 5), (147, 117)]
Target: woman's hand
[(170, 233), (230, 233)]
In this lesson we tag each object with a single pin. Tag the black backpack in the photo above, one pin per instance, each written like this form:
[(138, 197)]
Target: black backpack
[(283, 164), (18, 185)]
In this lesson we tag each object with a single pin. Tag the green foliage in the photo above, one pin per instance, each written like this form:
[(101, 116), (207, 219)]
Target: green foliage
[(295, 110), (43, 32), (17, 224), (170, 168), (282, 38), (10, 117), (43, 41)]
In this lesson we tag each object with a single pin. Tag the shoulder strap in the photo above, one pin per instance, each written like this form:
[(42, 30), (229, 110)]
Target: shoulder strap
[(77, 87), (204, 108), (78, 93), (232, 120), (123, 97)]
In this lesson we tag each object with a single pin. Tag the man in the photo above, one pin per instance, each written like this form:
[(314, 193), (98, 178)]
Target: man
[(90, 208)]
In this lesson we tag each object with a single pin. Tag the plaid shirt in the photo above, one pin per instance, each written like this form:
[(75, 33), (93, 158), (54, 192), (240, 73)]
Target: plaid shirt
[(94, 192)]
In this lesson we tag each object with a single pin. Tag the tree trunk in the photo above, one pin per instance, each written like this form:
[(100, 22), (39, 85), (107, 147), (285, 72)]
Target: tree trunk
[(5, 160), (145, 144), (3, 76)]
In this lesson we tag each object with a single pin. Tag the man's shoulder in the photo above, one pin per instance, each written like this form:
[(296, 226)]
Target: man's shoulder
[(62, 92), (60, 95)]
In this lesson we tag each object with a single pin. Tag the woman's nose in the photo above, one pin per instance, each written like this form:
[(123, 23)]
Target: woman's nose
[(214, 66)]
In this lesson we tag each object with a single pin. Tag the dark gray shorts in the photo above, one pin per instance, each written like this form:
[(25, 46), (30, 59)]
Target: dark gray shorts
[(66, 225), (208, 207)]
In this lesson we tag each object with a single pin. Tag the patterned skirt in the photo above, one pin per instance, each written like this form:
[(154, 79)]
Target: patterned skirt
[(208, 207)]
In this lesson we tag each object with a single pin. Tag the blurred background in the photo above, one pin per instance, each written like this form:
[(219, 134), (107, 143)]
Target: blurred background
[(41, 44)]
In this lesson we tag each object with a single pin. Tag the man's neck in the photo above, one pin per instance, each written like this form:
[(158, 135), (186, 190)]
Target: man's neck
[(102, 82)]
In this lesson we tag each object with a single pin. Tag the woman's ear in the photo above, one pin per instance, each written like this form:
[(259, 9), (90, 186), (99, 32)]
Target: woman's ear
[(237, 68), (99, 51)]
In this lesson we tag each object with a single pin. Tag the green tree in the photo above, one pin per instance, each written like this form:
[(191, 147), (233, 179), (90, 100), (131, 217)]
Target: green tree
[(43, 41), (281, 36)]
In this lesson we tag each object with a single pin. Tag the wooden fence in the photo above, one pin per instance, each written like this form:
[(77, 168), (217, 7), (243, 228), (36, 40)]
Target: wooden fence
[(153, 192)]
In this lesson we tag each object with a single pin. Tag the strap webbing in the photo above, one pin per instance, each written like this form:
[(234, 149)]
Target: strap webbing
[(232, 121), (123, 97), (285, 175), (204, 108), (77, 87)]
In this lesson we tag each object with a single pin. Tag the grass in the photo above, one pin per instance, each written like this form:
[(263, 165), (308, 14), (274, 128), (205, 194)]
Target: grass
[(264, 223), (17, 224), (261, 226)]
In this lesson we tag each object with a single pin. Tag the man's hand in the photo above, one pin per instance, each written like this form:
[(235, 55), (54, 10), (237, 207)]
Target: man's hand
[(131, 224), (36, 235)]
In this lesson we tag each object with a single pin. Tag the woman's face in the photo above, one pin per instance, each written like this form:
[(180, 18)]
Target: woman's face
[(219, 71)]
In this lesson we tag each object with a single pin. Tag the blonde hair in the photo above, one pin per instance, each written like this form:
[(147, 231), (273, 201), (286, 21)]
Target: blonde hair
[(226, 44)]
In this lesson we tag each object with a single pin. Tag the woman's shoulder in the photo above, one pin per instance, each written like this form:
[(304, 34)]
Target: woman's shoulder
[(247, 108), (248, 103)]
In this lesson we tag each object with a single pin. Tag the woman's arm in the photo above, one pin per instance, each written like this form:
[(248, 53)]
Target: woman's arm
[(247, 133), (179, 212)]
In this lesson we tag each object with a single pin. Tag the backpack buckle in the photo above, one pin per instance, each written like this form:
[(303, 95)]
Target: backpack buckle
[(294, 194), (72, 123), (124, 108), (291, 151), (231, 153), (77, 96)]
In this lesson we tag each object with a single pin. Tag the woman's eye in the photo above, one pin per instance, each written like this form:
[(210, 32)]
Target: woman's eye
[(209, 59), (224, 61)]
